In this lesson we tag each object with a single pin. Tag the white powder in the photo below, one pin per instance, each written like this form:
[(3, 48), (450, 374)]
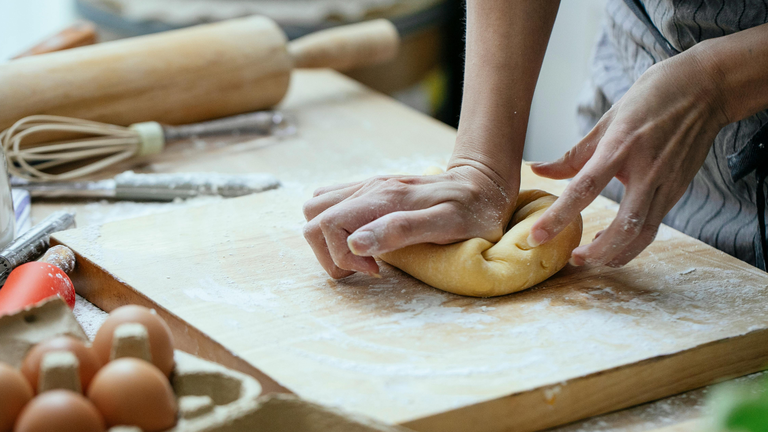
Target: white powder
[(424, 309), (89, 316), (101, 212), (224, 291), (91, 248), (653, 415), (204, 182)]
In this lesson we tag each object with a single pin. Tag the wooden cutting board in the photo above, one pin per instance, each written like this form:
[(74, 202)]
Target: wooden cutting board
[(239, 285)]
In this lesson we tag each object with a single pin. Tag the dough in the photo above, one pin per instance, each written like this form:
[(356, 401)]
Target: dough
[(479, 268)]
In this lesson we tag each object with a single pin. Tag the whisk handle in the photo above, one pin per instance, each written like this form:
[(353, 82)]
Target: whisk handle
[(260, 122)]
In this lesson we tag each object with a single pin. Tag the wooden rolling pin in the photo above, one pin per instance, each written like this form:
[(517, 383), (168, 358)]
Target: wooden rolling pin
[(183, 76)]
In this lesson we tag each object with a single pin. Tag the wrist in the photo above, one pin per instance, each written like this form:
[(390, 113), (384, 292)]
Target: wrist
[(736, 64), (494, 150), (504, 179), (709, 76)]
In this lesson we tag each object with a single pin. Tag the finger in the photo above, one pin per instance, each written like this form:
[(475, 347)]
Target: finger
[(579, 193), (340, 221), (659, 209), (324, 201), (574, 159), (359, 184), (385, 184), (643, 240), (569, 164), (314, 236), (326, 189), (439, 224), (374, 200), (624, 229)]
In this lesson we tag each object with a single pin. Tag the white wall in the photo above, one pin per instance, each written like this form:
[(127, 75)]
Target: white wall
[(552, 126), (25, 23)]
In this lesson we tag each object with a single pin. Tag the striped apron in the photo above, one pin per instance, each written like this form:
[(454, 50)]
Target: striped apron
[(724, 205)]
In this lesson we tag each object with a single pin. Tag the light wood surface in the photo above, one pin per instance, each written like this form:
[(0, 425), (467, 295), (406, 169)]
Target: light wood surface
[(686, 426), (240, 286), (183, 76)]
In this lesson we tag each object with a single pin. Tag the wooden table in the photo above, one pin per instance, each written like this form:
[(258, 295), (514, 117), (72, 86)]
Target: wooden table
[(654, 317)]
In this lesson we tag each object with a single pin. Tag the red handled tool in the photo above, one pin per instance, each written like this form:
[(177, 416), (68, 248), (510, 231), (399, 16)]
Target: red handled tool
[(36, 281)]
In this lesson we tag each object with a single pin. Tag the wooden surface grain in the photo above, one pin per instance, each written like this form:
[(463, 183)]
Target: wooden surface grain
[(241, 286)]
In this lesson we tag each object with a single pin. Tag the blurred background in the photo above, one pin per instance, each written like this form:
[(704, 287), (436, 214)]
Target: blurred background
[(427, 75)]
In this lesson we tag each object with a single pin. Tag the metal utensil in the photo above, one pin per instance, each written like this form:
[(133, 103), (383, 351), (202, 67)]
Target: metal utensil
[(154, 187)]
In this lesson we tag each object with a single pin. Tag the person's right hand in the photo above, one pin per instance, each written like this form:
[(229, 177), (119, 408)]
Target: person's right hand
[(349, 224)]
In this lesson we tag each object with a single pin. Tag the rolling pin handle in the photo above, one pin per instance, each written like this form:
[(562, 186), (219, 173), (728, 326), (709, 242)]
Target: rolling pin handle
[(347, 47)]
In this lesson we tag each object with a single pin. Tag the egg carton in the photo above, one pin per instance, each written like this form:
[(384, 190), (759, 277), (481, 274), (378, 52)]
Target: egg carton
[(23, 330), (211, 398)]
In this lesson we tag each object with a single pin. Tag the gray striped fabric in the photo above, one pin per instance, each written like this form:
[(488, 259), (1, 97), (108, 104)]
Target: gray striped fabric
[(714, 209)]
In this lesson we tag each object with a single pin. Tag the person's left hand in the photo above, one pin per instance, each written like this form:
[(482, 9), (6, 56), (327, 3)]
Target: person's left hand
[(654, 140)]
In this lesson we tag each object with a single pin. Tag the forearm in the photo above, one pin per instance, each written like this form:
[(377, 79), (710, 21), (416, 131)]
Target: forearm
[(506, 41), (738, 65)]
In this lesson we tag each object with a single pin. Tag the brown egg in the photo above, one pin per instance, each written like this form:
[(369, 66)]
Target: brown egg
[(133, 392), (160, 339), (60, 411), (89, 361), (15, 392)]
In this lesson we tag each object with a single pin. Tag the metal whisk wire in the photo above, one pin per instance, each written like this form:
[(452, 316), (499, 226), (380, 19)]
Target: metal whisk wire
[(29, 161)]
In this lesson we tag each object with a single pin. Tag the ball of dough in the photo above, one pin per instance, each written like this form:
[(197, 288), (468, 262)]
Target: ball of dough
[(479, 268)]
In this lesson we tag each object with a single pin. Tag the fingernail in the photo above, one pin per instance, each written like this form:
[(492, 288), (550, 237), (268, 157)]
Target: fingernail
[(362, 243), (534, 164), (537, 237), (576, 261), (614, 264), (374, 275)]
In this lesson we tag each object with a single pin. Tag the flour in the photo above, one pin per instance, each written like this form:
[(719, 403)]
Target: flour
[(212, 290), (665, 412), (91, 248), (89, 316), (551, 393), (493, 338), (423, 310), (91, 220), (101, 212), (209, 183), (406, 370)]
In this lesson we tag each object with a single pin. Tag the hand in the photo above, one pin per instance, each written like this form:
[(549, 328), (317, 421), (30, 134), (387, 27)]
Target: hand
[(654, 140), (350, 223)]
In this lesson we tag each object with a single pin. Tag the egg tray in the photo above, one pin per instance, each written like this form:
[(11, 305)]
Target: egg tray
[(211, 397)]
